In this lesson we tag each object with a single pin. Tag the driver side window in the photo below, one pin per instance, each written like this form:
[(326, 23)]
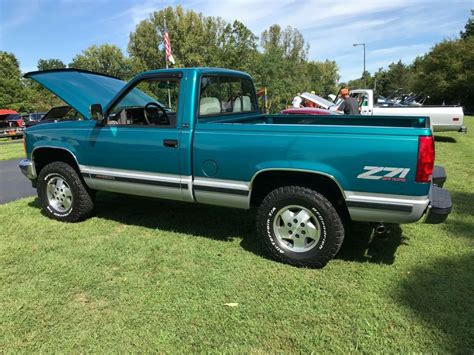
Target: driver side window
[(151, 103)]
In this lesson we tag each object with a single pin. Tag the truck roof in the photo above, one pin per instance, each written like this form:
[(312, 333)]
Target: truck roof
[(200, 70)]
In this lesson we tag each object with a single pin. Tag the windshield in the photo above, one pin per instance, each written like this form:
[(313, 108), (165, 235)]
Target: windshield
[(161, 92), (151, 102)]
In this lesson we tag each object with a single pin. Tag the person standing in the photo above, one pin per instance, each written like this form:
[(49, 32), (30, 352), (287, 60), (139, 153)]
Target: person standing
[(349, 105), (297, 101)]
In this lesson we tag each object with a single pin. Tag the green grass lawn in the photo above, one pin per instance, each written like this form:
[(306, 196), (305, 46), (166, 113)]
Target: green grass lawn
[(11, 149), (146, 275)]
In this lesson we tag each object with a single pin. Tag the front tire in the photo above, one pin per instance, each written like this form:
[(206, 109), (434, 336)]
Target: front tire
[(62, 194), (299, 226)]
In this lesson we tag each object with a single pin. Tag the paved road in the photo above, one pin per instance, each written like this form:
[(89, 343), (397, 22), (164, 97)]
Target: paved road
[(13, 185)]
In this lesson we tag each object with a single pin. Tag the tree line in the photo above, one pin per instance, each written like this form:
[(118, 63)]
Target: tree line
[(278, 60)]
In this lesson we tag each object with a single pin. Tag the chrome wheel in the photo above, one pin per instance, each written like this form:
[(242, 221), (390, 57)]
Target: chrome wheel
[(59, 194), (297, 228)]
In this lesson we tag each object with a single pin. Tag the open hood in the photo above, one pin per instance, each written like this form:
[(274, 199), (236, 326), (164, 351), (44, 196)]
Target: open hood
[(79, 88), (57, 112), (318, 100)]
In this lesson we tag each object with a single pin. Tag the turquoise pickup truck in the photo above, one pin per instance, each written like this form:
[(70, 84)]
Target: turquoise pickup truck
[(197, 135)]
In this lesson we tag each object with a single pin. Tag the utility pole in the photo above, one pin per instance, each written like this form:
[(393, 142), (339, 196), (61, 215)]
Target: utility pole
[(361, 44)]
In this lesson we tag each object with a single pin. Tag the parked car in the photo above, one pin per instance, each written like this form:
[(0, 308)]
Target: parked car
[(57, 114), (211, 145), (11, 124), (443, 118), (32, 117), (315, 100)]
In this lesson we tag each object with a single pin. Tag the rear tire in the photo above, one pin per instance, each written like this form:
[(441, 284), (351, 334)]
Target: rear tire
[(62, 193), (299, 226)]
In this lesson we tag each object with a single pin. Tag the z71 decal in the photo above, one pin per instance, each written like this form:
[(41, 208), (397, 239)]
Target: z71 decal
[(384, 173)]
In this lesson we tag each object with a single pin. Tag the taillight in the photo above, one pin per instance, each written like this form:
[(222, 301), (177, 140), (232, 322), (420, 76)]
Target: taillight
[(24, 143), (426, 157)]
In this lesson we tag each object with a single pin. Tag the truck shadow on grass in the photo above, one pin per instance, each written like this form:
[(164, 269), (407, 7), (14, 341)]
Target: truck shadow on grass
[(462, 203), (445, 139), (225, 224), (362, 244), (440, 294)]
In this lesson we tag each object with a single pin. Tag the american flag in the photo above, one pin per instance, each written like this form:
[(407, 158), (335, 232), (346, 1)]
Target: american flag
[(166, 38)]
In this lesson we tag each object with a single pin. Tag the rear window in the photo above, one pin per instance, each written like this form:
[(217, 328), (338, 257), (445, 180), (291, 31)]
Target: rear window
[(222, 95)]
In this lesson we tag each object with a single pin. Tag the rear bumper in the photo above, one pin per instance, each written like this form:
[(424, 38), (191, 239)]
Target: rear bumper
[(440, 205), (439, 176)]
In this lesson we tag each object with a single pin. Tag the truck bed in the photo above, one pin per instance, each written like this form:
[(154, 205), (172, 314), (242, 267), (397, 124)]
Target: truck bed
[(331, 120), (340, 146)]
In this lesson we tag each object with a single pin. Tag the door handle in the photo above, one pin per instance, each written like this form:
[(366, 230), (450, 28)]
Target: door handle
[(170, 143)]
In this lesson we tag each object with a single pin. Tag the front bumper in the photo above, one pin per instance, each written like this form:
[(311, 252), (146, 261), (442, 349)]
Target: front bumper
[(27, 168), (11, 132)]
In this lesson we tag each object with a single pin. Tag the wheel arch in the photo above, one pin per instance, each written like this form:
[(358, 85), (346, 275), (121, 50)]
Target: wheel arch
[(266, 180), (43, 155)]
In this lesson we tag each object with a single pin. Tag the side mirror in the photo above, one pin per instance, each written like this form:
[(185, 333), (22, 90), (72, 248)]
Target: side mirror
[(96, 113)]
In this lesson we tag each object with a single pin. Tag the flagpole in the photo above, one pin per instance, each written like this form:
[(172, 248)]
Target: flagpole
[(166, 60)]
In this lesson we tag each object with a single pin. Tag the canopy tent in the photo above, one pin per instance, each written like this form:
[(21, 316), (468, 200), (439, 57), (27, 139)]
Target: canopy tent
[(8, 112)]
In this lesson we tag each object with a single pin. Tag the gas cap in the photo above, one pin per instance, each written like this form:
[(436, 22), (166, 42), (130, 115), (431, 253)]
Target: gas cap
[(209, 168)]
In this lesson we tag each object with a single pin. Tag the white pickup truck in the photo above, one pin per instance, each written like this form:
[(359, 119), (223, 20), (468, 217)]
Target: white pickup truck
[(443, 118)]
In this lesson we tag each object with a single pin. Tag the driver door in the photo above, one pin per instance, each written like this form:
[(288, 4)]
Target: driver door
[(137, 150)]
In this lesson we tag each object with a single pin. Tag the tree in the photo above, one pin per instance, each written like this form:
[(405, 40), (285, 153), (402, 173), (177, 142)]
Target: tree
[(288, 43), (105, 59), (12, 93), (398, 77), (39, 98), (196, 40), (322, 77), (282, 65), (48, 64), (446, 73), (469, 27), (237, 47)]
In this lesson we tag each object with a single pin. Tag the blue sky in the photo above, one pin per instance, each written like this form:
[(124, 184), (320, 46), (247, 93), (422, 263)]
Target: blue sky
[(392, 30)]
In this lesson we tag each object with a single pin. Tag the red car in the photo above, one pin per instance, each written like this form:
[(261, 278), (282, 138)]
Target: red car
[(307, 111), (325, 107), (11, 124)]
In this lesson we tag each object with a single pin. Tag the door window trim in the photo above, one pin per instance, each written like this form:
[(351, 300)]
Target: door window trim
[(132, 85)]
